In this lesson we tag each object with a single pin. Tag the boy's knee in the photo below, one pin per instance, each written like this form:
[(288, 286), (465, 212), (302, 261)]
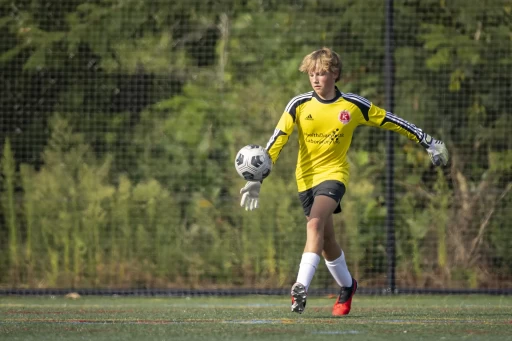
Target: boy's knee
[(316, 225)]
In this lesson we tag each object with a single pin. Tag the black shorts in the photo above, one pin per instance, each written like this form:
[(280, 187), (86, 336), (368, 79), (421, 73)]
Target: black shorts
[(331, 188)]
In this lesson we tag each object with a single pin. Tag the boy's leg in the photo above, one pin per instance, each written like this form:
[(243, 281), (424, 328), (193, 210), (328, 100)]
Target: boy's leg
[(321, 209), (335, 257), (335, 261)]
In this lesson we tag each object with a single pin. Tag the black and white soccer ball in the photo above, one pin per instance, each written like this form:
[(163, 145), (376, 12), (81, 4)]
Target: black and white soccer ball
[(253, 163)]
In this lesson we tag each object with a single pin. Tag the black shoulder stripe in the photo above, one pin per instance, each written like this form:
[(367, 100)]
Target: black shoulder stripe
[(291, 108), (362, 103)]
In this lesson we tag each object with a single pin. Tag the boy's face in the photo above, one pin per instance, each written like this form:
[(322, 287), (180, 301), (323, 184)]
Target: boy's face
[(323, 83)]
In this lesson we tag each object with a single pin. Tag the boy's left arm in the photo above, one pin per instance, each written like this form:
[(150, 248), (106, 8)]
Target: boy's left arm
[(378, 117)]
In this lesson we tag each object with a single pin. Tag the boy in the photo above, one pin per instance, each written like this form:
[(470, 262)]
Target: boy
[(326, 119)]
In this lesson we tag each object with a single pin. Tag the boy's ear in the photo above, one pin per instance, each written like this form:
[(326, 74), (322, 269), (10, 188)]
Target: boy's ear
[(338, 75)]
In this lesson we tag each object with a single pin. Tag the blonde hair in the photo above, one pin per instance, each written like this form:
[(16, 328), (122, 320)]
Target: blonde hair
[(324, 59)]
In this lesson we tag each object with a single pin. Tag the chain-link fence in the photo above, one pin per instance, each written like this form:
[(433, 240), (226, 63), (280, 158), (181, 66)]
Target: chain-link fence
[(120, 121)]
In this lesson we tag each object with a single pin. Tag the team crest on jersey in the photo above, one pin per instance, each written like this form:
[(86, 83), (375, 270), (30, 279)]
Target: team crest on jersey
[(344, 117)]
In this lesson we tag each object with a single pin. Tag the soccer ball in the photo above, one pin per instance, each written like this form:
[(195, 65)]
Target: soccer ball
[(253, 163)]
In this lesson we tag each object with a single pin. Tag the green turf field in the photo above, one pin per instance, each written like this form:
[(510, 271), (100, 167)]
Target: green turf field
[(259, 318)]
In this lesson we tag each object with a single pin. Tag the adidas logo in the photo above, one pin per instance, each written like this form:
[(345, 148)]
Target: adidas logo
[(309, 117)]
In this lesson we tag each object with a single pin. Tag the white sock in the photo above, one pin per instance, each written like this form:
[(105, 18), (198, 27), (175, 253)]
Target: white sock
[(339, 271), (307, 268)]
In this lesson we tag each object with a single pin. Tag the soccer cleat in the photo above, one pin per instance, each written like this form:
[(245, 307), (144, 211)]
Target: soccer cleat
[(344, 301), (299, 296)]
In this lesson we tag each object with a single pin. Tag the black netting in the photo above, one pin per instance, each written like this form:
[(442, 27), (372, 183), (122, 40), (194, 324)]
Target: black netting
[(120, 121)]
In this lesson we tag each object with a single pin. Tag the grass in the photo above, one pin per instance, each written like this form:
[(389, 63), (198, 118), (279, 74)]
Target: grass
[(255, 318)]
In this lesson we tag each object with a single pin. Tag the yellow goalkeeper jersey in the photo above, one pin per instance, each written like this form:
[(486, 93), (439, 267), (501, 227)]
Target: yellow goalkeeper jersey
[(325, 130)]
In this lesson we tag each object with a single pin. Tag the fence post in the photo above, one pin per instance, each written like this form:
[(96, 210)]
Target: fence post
[(389, 83)]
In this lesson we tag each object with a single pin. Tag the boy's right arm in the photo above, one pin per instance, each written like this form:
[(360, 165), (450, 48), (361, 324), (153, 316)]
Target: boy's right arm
[(251, 191)]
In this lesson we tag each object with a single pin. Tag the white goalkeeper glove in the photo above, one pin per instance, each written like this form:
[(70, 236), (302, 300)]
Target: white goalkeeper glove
[(250, 194), (436, 149)]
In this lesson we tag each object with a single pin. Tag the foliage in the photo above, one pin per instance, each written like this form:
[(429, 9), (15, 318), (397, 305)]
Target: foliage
[(122, 120)]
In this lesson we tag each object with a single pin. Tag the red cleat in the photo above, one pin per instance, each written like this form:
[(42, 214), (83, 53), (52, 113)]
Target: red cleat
[(344, 301)]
